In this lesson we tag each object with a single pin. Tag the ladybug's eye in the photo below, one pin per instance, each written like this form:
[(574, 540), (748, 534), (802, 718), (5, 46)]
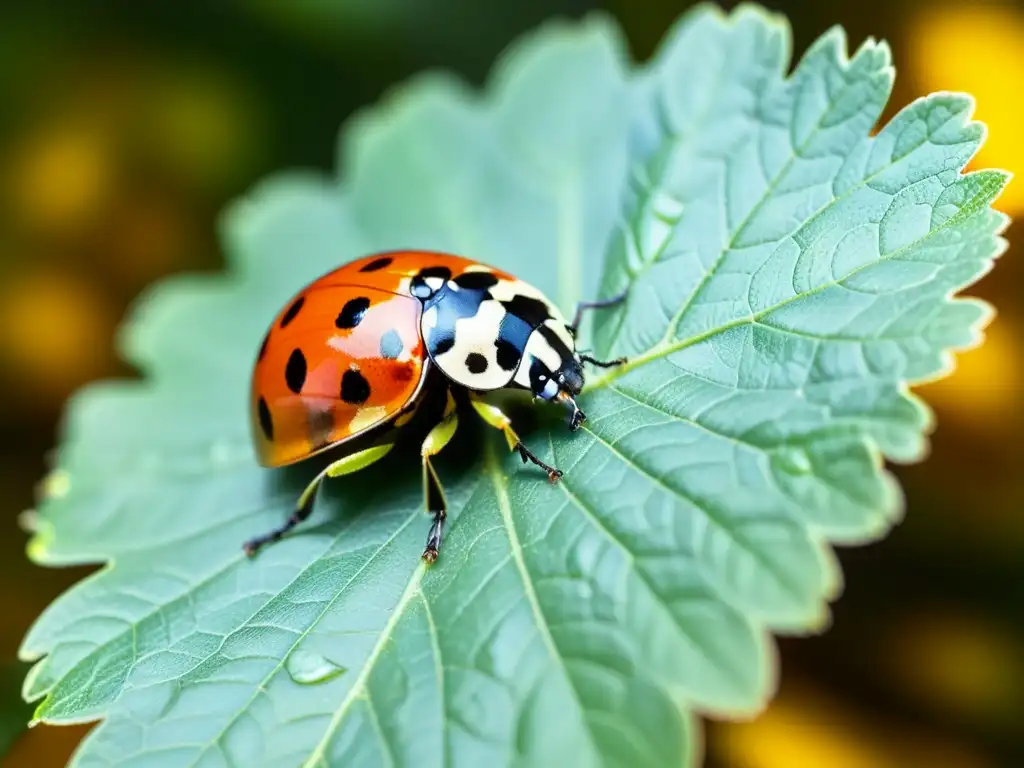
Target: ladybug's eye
[(429, 281), (542, 383)]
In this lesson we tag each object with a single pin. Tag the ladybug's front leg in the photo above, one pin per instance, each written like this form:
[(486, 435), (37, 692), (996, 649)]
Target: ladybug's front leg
[(497, 419)]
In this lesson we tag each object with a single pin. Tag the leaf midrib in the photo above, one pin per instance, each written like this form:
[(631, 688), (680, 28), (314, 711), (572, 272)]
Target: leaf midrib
[(796, 154), (358, 689), (674, 323), (302, 636), (412, 589), (663, 348), (498, 481), (677, 140)]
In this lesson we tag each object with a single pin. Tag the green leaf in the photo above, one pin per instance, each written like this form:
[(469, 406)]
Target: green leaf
[(788, 276)]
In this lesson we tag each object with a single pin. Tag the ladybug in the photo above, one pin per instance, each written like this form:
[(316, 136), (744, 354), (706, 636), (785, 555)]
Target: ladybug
[(357, 354)]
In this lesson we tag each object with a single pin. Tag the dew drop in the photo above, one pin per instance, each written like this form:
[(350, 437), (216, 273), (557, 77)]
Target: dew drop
[(220, 453), (793, 461), (309, 668)]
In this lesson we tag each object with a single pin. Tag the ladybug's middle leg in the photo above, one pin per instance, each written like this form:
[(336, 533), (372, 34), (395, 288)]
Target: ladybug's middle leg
[(343, 466), (497, 419), (433, 493)]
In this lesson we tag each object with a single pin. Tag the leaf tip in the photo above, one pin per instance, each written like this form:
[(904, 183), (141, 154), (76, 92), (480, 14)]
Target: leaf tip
[(981, 189), (832, 44), (39, 545), (999, 179), (777, 24), (398, 108), (39, 714), (884, 50), (818, 618), (553, 36), (758, 12)]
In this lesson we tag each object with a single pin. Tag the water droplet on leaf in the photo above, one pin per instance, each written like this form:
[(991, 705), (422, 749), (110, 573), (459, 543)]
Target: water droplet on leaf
[(794, 461), (309, 667)]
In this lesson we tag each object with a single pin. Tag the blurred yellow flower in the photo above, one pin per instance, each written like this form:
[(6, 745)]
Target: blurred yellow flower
[(207, 126), (976, 47), (806, 729), (799, 730), (61, 177), (958, 664), (55, 332)]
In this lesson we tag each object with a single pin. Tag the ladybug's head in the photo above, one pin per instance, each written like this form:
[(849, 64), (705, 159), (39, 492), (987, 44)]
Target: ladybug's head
[(555, 370)]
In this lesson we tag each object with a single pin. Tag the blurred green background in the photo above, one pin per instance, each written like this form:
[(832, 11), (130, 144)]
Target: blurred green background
[(125, 126)]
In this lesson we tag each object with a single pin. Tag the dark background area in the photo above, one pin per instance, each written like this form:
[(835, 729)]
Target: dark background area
[(126, 126)]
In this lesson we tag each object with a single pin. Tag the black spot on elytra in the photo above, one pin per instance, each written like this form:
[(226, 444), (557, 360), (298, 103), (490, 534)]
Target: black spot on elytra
[(352, 313), (391, 345), (376, 264), (442, 344), (508, 356), (476, 281), (263, 347), (295, 371), (293, 310), (531, 311), (355, 389), (476, 363), (266, 424)]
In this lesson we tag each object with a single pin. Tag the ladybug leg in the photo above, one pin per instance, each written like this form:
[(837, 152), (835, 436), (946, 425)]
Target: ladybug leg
[(433, 493), (497, 419), (343, 466), (583, 306), (602, 363)]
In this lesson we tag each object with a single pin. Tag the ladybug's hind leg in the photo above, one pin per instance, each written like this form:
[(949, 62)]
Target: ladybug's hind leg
[(344, 466), (497, 419), (433, 493)]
